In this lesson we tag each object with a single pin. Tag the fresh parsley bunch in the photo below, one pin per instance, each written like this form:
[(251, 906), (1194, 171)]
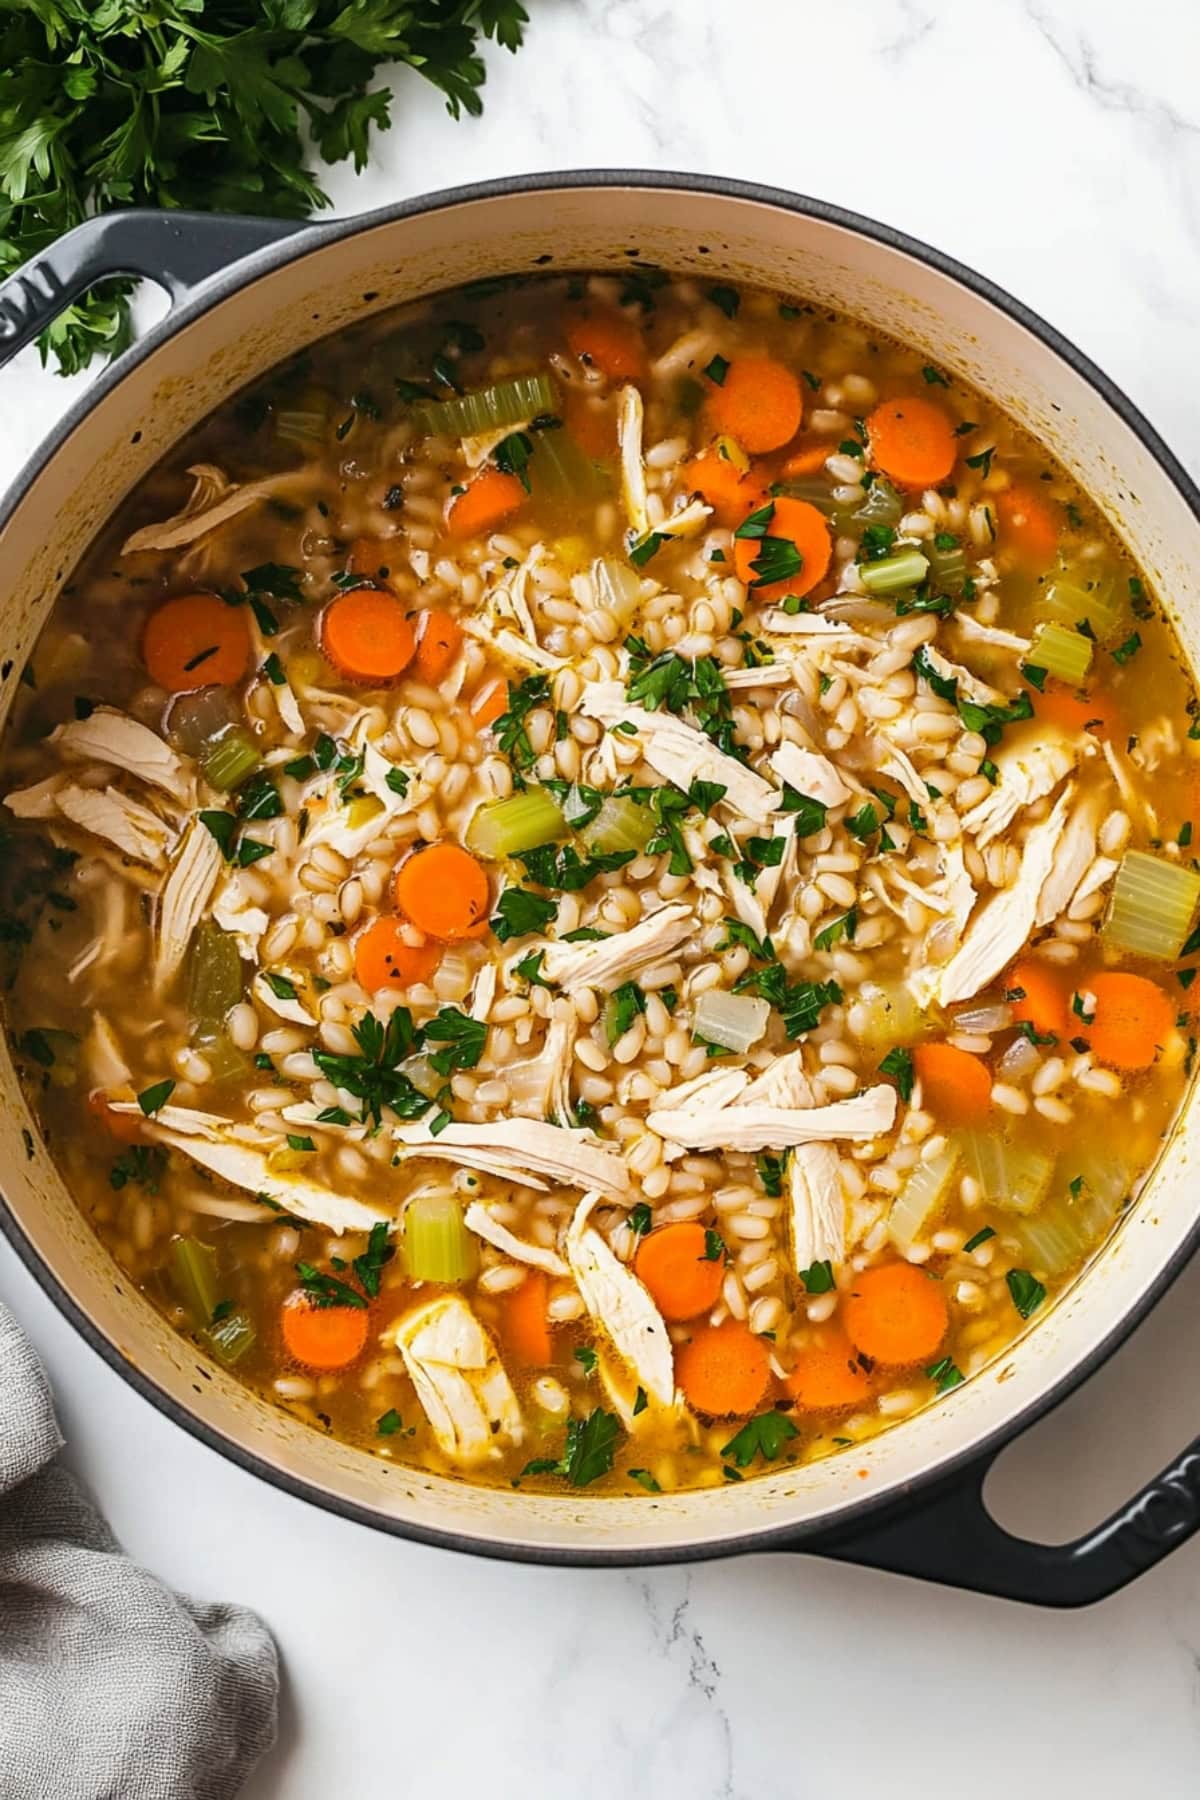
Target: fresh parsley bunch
[(203, 103)]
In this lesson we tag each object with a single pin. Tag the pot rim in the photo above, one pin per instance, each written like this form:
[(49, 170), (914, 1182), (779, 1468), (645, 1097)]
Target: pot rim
[(808, 1534)]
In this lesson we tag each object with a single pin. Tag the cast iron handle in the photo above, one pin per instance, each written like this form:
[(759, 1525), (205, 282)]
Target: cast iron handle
[(953, 1539), (177, 250)]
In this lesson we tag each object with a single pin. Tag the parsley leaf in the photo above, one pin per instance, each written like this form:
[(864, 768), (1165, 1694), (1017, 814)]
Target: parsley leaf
[(898, 1064), (520, 913), (463, 1036), (1027, 1293), (762, 1436), (588, 1453)]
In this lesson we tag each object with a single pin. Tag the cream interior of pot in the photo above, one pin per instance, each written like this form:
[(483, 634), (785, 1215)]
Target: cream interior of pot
[(385, 263)]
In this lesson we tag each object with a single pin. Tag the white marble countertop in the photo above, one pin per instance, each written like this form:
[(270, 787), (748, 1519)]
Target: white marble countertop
[(1055, 145)]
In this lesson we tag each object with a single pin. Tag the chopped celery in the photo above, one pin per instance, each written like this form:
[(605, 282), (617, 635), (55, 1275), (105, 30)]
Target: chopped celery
[(1153, 906), (882, 506), (618, 587), (905, 569), (362, 809), (621, 824), (437, 1245), (735, 1021), (521, 822), (948, 567), (512, 402), (558, 470), (1015, 1177), (225, 1061), (1069, 599), (1062, 652), (230, 1338), (885, 1013), (193, 1275), (214, 978), (922, 1198), (228, 759), (813, 488), (306, 422), (1091, 1187)]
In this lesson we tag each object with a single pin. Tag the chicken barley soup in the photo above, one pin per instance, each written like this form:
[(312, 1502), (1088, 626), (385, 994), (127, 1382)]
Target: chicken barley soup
[(599, 886)]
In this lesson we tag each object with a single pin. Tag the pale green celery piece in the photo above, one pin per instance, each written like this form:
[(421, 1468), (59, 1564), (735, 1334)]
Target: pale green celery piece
[(735, 1021), (1153, 906), (225, 1061), (305, 427), (437, 1245), (621, 824), (815, 490), (892, 574), (214, 978), (1069, 597), (618, 587), (882, 506), (947, 568), (922, 1199), (1062, 652), (559, 470), (1015, 1177), (1062, 1231), (520, 822), (230, 1338), (193, 1275), (885, 1013), (512, 402), (229, 758)]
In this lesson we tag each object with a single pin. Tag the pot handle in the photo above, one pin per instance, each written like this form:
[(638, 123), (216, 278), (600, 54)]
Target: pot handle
[(176, 250), (953, 1539)]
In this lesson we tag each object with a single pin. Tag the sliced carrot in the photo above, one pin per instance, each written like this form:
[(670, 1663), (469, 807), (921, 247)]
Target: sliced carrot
[(1029, 528), (800, 524), (759, 404), (895, 1314), (1045, 991), (196, 641), (912, 441), (956, 1086), (444, 891), (1133, 1019), (806, 459), (731, 492), (1077, 710), (672, 1261), (383, 958), (591, 423), (609, 341), (375, 557), (366, 636), (439, 639), (484, 503), (526, 1327), (723, 1370), (489, 702), (125, 1127), (826, 1374), (322, 1337)]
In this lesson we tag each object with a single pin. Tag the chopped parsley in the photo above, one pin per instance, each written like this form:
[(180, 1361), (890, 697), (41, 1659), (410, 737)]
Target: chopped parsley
[(765, 1435), (898, 1063), (520, 913), (1027, 1293), (153, 1099), (588, 1452), (818, 1277)]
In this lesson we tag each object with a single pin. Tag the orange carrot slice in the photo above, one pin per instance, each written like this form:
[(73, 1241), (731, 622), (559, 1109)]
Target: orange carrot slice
[(489, 702), (444, 892), (526, 1327), (799, 524), (1046, 996), (895, 1314), (125, 1127), (912, 441), (196, 641), (806, 459), (1133, 1019), (955, 1085), (672, 1262), (1029, 528), (609, 341), (322, 1337), (723, 1370), (367, 637), (826, 1374), (439, 639), (484, 503), (759, 404), (1077, 710), (375, 557), (383, 958), (731, 492)]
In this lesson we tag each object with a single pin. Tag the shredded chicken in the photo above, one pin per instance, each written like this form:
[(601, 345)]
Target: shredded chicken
[(109, 814), (459, 1379), (969, 683), (285, 1006), (479, 1220), (108, 736), (679, 752), (102, 1058), (621, 1306), (1072, 860), (1027, 770), (540, 1086), (1001, 926), (759, 1127), (816, 630), (783, 1084), (902, 769), (185, 896), (817, 1205), (969, 627), (37, 802), (212, 503), (633, 472), (236, 910), (484, 992), (608, 962), (1098, 876), (811, 774), (527, 1151)]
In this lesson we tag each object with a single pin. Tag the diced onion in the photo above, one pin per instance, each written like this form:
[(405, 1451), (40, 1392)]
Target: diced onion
[(922, 1198), (520, 822), (882, 506), (1020, 1059), (1013, 1176), (1062, 652), (735, 1021), (884, 1013), (1153, 906), (618, 587), (983, 1018)]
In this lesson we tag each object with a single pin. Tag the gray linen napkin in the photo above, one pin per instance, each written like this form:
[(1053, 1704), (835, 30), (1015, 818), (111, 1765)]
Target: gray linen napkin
[(111, 1687)]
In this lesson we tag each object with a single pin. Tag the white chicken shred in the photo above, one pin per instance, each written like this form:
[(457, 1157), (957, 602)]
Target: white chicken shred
[(680, 753), (527, 1151), (478, 1219), (109, 814), (607, 962), (633, 471), (1026, 770), (185, 896), (810, 774), (758, 1127), (621, 1305), (108, 736), (459, 1378), (817, 1205)]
